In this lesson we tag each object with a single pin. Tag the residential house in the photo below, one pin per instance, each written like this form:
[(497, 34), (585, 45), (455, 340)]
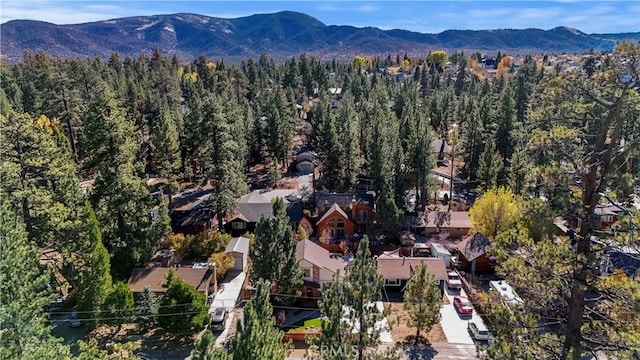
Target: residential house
[(607, 214), (258, 203), (441, 149), (190, 212), (457, 224), (238, 248), (454, 223), (624, 258), (618, 257), (197, 220), (155, 278), (343, 215), (474, 256), (319, 266), (306, 162), (396, 270)]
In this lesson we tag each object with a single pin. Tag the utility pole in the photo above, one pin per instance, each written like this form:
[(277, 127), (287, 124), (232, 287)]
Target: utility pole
[(453, 136)]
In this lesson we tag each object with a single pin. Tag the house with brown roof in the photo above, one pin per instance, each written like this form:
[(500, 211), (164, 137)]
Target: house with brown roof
[(474, 256), (396, 270), (155, 278), (319, 266), (456, 224), (343, 215)]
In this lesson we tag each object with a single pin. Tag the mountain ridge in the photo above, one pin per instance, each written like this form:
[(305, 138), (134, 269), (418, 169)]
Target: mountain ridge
[(280, 35)]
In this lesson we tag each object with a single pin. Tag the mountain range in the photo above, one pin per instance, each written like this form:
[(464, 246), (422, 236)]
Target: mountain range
[(280, 35)]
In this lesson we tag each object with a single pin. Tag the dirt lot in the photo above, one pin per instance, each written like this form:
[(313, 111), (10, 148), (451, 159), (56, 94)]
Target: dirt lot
[(402, 334)]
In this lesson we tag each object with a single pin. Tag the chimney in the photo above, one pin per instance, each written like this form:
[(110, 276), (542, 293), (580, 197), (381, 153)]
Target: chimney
[(354, 211)]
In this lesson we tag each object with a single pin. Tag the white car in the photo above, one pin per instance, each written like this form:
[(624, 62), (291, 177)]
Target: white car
[(479, 331), (453, 280)]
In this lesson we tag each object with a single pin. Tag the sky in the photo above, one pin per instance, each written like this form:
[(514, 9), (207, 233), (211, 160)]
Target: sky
[(420, 16)]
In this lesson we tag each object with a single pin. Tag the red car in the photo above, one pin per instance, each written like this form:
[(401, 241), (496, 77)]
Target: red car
[(463, 305)]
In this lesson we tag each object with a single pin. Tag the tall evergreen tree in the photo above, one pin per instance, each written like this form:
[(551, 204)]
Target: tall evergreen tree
[(257, 336), (38, 175), (273, 257), (120, 196), (223, 155), (332, 306), (25, 291), (165, 145), (363, 286), (520, 179), (93, 282), (489, 167), (581, 140)]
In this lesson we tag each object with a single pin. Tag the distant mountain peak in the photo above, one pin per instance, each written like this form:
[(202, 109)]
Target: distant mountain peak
[(569, 29), (281, 35)]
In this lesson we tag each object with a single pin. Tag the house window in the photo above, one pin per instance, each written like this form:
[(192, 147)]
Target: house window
[(336, 227), (307, 273), (606, 218), (392, 282), (362, 216), (238, 225)]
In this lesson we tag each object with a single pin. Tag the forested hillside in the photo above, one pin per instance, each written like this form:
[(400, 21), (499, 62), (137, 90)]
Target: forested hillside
[(281, 35), (542, 131)]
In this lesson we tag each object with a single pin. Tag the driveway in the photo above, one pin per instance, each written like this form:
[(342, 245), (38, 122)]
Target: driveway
[(453, 324), (227, 297)]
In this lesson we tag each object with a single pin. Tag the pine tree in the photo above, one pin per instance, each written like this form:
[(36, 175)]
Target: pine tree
[(489, 167), (520, 177), (422, 300), (93, 282), (223, 155), (335, 327), (363, 286), (273, 257), (38, 175), (472, 142), (582, 137), (120, 196), (182, 307), (118, 306), (25, 290), (257, 337), (147, 309), (387, 216), (205, 348), (165, 150)]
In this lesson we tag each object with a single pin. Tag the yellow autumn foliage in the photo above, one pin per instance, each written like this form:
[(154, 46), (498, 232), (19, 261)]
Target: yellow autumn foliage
[(223, 262), (48, 124), (496, 211)]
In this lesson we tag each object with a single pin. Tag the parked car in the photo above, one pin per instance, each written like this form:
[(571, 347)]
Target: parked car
[(463, 305), (453, 280), (479, 331), (218, 319)]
